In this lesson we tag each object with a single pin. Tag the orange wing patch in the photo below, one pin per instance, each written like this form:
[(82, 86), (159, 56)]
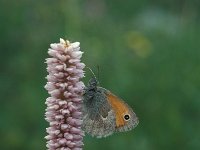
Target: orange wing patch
[(119, 107)]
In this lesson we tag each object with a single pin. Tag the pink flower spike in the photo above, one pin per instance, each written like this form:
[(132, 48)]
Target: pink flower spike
[(75, 130), (63, 110)]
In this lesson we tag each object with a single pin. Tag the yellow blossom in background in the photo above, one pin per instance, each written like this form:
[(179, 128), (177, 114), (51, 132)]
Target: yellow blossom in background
[(140, 44)]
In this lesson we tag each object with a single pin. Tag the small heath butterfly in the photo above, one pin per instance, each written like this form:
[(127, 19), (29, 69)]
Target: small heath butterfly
[(105, 113)]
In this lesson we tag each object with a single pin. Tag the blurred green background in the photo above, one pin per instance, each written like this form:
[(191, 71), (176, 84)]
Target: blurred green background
[(148, 52)]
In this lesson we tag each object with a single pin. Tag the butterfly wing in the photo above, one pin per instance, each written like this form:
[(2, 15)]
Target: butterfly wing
[(99, 118), (126, 119)]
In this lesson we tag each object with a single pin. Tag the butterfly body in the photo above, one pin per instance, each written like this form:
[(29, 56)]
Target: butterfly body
[(105, 113)]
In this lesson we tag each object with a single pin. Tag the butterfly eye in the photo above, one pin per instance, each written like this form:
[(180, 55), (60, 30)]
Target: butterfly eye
[(127, 117)]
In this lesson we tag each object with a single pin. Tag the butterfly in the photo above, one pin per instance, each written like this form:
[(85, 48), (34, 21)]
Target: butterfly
[(104, 113)]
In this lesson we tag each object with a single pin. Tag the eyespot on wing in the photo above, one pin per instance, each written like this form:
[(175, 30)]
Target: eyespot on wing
[(126, 119)]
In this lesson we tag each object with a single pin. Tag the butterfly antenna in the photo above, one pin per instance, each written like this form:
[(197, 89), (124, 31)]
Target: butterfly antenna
[(98, 72), (92, 73)]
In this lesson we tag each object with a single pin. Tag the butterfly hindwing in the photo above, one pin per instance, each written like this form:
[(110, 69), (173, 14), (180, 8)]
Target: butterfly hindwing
[(99, 118)]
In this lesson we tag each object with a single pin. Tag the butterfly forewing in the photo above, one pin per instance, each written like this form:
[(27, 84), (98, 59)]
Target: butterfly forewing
[(126, 119)]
